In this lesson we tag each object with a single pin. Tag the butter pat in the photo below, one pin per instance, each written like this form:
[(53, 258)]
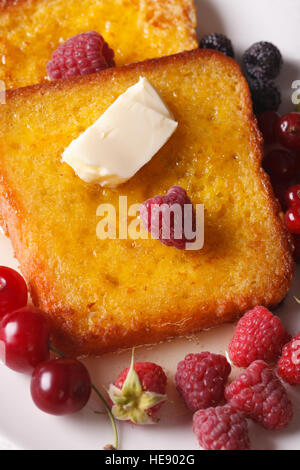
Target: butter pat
[(123, 139)]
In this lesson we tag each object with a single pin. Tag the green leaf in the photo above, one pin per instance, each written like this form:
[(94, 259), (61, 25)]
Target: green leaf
[(116, 396), (132, 386), (134, 415), (150, 399), (138, 416), (120, 413)]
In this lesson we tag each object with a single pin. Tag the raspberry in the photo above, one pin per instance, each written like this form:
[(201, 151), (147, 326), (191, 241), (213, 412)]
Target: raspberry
[(164, 224), (265, 95), (201, 379), (289, 363), (81, 55), (218, 42), (258, 335), (221, 428), (263, 60), (260, 395), (139, 393)]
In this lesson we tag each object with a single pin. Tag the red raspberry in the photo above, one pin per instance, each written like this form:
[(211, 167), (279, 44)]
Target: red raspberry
[(258, 335), (289, 363), (221, 428), (260, 395), (201, 379), (83, 54), (162, 223), (139, 393)]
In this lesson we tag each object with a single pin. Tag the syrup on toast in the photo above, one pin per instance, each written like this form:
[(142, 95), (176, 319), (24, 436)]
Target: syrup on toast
[(102, 295), (30, 30)]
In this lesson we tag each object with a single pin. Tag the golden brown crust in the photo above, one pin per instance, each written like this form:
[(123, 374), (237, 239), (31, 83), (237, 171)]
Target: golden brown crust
[(113, 336), (190, 8)]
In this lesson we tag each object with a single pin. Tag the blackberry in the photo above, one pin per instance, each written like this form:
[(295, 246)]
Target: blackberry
[(262, 60), (265, 95), (219, 42), (170, 230)]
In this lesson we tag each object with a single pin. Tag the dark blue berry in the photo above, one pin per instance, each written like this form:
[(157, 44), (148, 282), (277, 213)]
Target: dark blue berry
[(219, 42), (265, 95), (262, 61)]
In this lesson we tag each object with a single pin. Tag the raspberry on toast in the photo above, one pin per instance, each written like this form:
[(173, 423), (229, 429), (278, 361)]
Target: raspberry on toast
[(31, 30), (102, 295)]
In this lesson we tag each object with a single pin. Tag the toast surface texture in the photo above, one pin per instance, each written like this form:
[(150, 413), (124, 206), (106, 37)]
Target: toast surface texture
[(103, 295), (30, 30)]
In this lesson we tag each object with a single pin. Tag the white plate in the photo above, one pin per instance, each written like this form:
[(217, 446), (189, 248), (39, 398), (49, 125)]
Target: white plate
[(23, 426)]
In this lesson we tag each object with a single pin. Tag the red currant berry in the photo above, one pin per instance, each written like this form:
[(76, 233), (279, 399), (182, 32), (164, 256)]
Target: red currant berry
[(297, 158), (292, 220), (293, 196), (288, 131), (13, 291), (24, 339), (280, 190), (267, 123), (297, 248), (281, 165), (60, 387)]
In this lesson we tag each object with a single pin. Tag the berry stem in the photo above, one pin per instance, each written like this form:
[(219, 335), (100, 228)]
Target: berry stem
[(56, 351), (111, 417), (100, 396)]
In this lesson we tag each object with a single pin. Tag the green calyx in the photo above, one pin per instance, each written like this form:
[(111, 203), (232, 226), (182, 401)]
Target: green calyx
[(131, 402)]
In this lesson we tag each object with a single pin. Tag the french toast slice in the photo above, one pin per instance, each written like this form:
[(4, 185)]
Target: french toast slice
[(30, 30), (102, 295)]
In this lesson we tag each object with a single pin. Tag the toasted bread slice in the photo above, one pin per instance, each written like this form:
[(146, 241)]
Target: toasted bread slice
[(30, 30), (107, 294)]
